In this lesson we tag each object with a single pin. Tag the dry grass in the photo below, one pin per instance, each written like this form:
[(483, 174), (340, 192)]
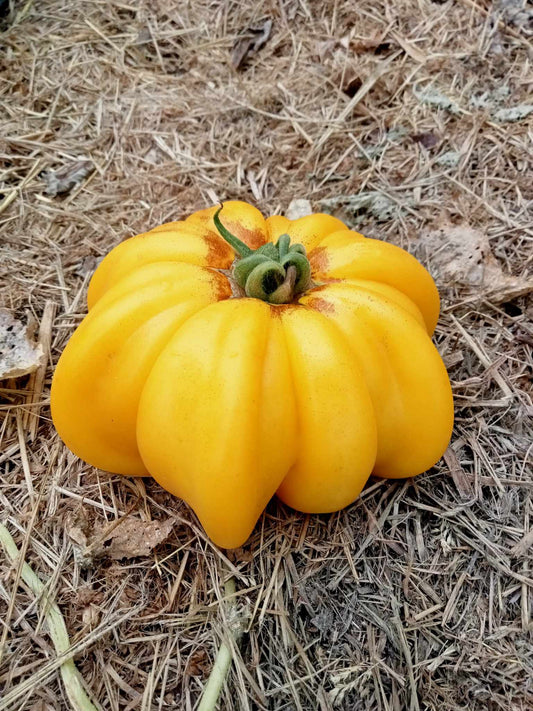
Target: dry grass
[(416, 597)]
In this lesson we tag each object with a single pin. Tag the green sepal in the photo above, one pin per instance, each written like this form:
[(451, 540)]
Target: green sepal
[(243, 268), (264, 280), (283, 244), (269, 250), (298, 248)]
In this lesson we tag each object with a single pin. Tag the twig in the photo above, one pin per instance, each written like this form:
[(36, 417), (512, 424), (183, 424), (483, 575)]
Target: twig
[(56, 625)]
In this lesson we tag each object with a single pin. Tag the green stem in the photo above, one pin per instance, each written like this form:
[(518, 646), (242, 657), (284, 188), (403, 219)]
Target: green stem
[(242, 249), (72, 679), (300, 264), (222, 663), (274, 273)]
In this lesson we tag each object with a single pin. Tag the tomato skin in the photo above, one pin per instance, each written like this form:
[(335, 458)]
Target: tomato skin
[(227, 401)]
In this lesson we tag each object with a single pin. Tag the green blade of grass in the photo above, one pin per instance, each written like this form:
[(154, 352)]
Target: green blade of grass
[(72, 679)]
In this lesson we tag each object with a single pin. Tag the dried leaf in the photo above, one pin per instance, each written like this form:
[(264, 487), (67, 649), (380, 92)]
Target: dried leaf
[(198, 664), (133, 538), (251, 42), (461, 255), (240, 555), (65, 179), (78, 535), (18, 354), (428, 140)]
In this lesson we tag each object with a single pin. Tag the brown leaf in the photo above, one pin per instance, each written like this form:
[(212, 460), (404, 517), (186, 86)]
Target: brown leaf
[(428, 140), (129, 538), (86, 595), (198, 664), (66, 178), (251, 42), (240, 555), (77, 534), (133, 538), (459, 255), (18, 354)]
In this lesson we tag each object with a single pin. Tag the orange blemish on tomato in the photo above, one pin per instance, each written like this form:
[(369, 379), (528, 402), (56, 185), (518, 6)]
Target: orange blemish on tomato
[(219, 253), (253, 238), (318, 259), (221, 286), (322, 305)]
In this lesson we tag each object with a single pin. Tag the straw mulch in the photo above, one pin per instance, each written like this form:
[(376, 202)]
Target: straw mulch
[(409, 119)]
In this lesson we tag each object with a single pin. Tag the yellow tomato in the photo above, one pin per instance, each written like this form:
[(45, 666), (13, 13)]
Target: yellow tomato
[(231, 373)]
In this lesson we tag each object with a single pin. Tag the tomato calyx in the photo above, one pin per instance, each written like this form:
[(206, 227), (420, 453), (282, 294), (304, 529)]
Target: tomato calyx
[(275, 273)]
